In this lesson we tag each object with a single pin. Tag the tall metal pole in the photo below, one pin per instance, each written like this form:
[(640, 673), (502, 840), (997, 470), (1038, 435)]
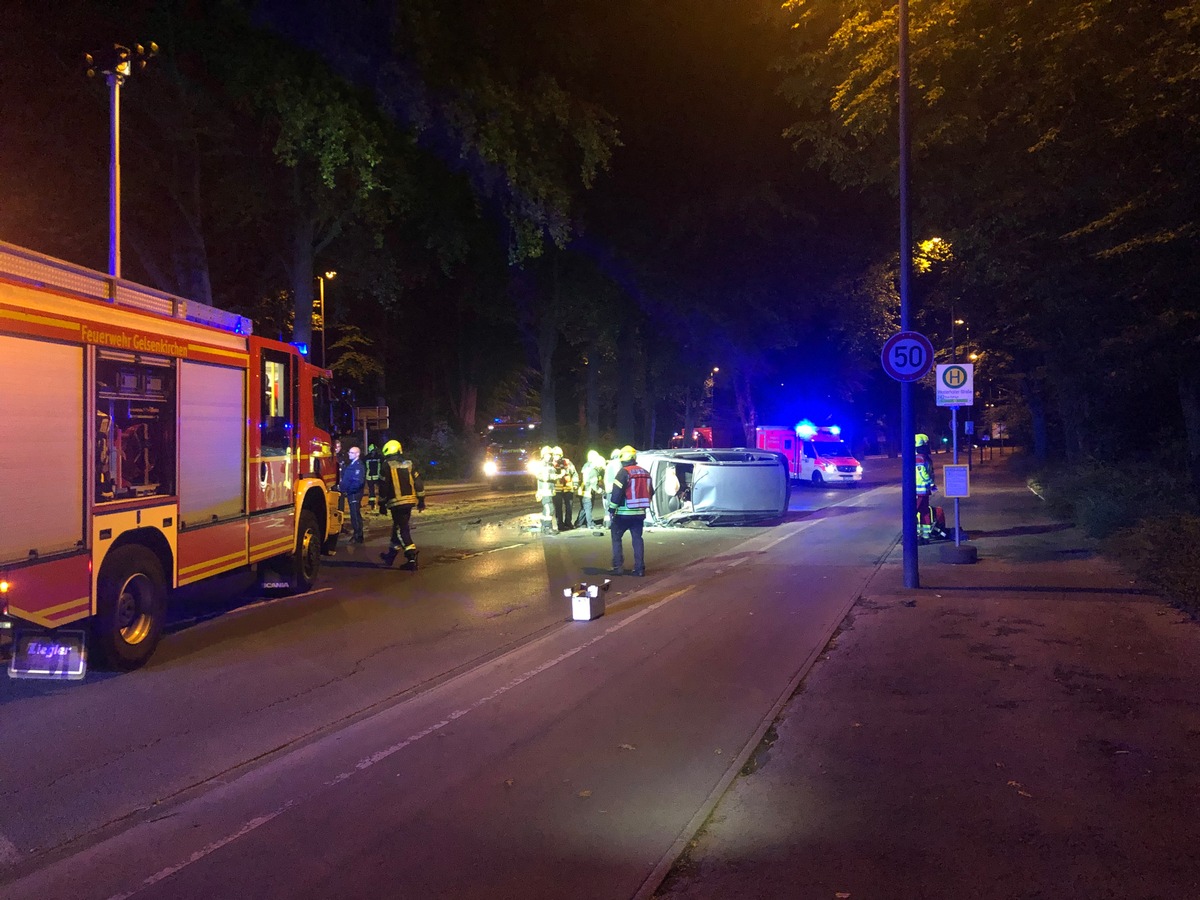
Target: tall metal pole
[(321, 278), (114, 175), (908, 452)]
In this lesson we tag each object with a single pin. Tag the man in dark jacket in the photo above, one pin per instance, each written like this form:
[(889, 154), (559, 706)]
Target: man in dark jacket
[(354, 478), (400, 489)]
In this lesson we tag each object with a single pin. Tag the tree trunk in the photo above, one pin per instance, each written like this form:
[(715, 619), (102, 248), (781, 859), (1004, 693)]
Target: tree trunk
[(689, 417), (651, 413), (593, 395), (1189, 400), (547, 344), (303, 270), (745, 407), (467, 406), (1037, 418), (626, 421)]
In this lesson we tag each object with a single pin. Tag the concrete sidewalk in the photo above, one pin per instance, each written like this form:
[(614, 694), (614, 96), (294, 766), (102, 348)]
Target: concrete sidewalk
[(1025, 727)]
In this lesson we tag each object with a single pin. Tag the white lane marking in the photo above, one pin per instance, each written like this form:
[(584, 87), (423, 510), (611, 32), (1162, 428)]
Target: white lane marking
[(782, 538), (162, 874), (9, 853), (374, 758), (506, 547), (381, 755)]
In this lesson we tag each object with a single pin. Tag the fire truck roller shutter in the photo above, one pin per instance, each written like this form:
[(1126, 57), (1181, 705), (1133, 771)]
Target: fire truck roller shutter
[(41, 464), (212, 442)]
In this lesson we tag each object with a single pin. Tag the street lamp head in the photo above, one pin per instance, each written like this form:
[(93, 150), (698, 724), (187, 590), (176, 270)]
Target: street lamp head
[(119, 61), (330, 275)]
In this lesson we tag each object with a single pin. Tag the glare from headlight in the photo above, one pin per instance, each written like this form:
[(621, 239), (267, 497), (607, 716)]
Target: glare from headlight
[(490, 468), (858, 470), (532, 467)]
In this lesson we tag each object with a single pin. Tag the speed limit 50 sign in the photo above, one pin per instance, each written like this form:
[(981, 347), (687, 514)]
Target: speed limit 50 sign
[(907, 356)]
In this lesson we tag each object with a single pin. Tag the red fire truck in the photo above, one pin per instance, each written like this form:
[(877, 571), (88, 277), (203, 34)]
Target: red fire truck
[(150, 442)]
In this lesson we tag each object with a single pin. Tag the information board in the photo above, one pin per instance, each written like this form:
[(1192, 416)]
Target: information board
[(956, 482)]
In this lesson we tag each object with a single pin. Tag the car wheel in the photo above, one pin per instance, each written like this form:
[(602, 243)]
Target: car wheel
[(817, 480), (131, 605)]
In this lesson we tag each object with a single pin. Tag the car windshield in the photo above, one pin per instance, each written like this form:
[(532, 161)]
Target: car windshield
[(512, 436), (828, 449)]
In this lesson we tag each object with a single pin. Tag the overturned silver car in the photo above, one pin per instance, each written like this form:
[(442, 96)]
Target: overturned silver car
[(717, 487)]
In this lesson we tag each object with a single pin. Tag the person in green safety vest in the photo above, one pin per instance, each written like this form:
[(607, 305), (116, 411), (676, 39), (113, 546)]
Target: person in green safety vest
[(925, 489)]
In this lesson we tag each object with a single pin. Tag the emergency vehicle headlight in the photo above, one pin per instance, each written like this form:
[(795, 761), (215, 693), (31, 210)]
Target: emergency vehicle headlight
[(858, 470), (490, 468), (829, 467)]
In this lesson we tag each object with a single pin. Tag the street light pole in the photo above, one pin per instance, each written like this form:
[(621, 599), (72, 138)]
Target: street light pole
[(908, 452), (114, 173), (116, 65), (321, 279)]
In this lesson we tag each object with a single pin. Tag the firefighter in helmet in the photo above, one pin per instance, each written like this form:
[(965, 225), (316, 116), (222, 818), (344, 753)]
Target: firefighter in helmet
[(400, 489), (545, 488), (566, 485), (591, 485), (627, 502), (925, 489)]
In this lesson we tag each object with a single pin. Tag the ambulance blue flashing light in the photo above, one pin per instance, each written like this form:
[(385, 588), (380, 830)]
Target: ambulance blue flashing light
[(302, 347), (835, 430), (805, 429)]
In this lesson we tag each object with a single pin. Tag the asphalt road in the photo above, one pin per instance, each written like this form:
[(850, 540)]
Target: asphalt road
[(447, 732)]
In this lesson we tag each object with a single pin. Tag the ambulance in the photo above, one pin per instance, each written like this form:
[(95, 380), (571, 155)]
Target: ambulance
[(151, 442), (816, 455)]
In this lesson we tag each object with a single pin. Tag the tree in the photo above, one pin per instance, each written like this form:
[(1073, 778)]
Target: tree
[(1049, 145)]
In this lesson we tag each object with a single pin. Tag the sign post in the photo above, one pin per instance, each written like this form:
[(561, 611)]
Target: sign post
[(955, 388), (906, 357), (368, 418)]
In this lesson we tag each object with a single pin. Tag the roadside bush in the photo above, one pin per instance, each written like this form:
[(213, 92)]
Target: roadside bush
[(444, 456), (1164, 552), (1144, 512), (1102, 498)]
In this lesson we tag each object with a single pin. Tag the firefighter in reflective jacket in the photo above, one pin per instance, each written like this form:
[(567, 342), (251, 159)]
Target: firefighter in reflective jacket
[(400, 489), (374, 473), (566, 485), (925, 489), (545, 489), (628, 502)]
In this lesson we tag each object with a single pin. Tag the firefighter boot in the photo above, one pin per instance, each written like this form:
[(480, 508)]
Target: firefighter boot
[(389, 556), (410, 557)]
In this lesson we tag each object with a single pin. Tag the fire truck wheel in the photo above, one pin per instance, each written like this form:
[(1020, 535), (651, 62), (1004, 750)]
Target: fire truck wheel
[(130, 607), (306, 559), (817, 479)]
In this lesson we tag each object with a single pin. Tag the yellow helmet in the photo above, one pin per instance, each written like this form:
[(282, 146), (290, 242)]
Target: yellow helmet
[(627, 453), (616, 454), (922, 440), (557, 451), (392, 448), (547, 451)]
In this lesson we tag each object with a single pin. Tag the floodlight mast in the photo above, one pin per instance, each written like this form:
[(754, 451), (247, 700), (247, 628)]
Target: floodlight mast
[(116, 64)]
